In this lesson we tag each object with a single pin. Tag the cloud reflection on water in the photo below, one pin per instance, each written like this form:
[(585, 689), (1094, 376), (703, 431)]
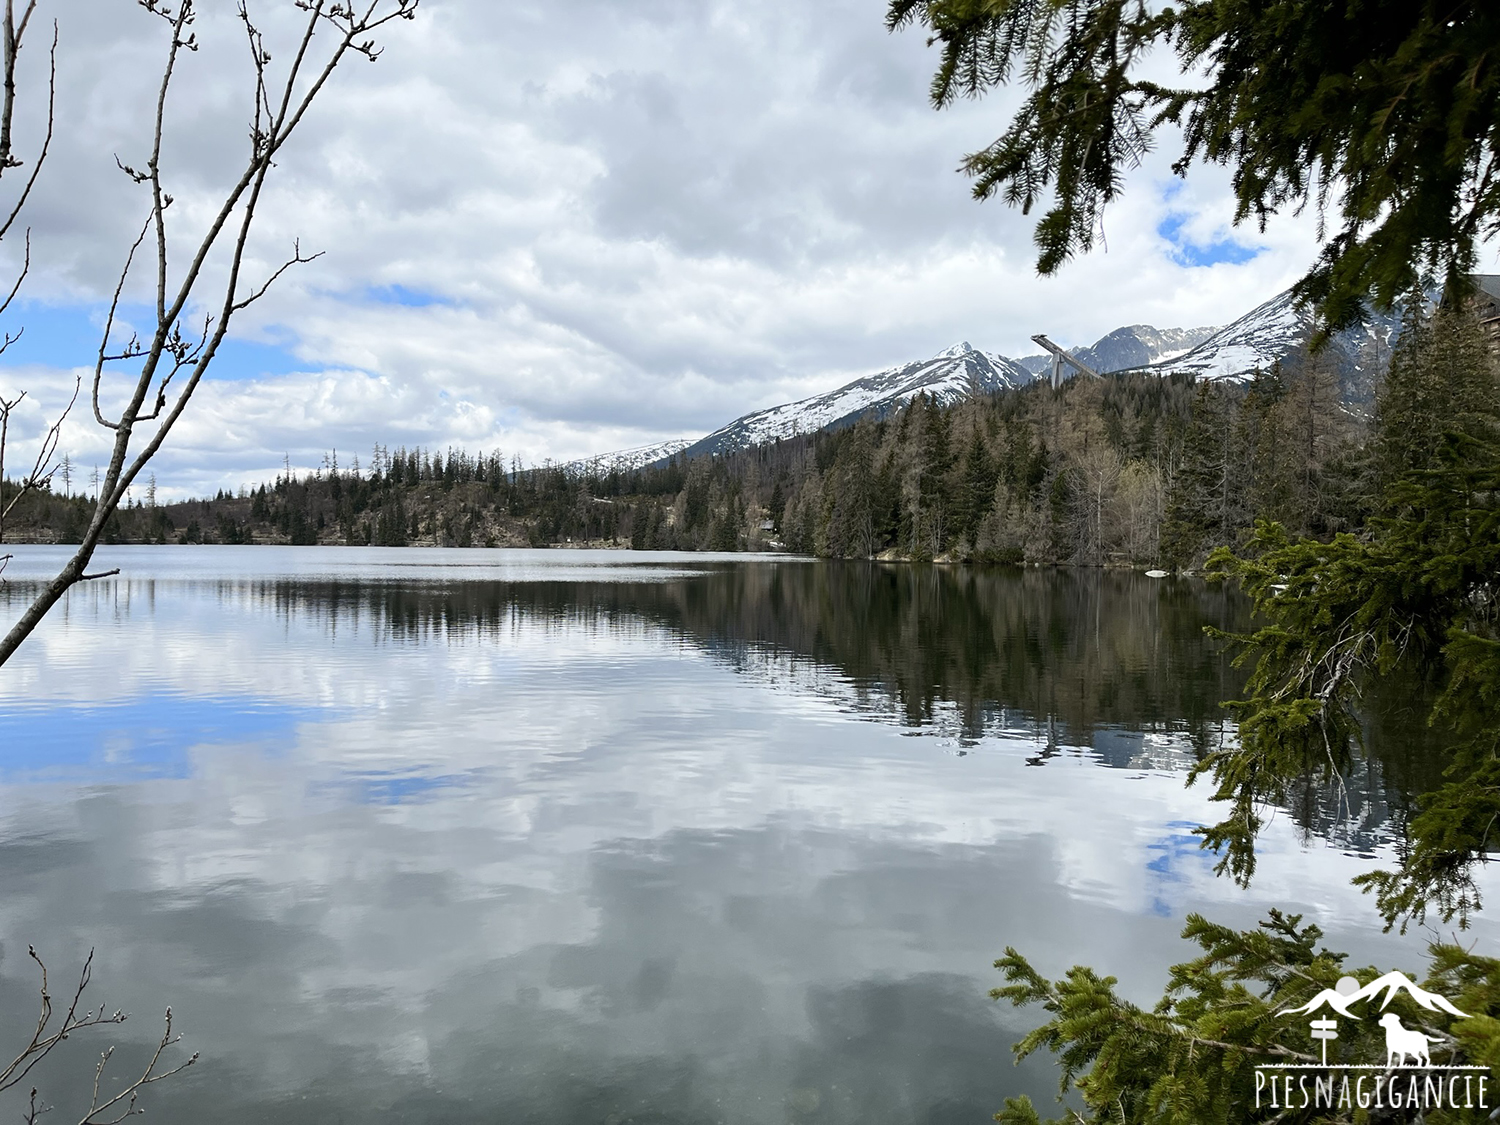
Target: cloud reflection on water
[(603, 851)]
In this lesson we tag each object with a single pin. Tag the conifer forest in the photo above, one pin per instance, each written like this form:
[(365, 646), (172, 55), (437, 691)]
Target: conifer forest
[(1130, 469)]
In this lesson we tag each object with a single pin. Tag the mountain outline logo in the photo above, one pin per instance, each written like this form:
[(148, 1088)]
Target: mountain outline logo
[(1349, 991), (1408, 1079)]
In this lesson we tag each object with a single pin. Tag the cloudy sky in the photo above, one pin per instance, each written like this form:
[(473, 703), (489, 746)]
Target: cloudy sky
[(560, 227)]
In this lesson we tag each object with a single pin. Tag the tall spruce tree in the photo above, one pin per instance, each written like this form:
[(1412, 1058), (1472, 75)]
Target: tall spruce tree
[(1269, 478), (976, 490), (1416, 596), (934, 488), (1439, 380), (1204, 499), (849, 506)]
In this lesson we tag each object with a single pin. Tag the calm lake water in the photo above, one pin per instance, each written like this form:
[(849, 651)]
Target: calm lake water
[(558, 837)]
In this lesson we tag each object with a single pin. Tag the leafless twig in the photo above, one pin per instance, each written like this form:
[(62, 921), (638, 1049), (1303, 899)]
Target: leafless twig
[(12, 36), (47, 1035), (172, 361)]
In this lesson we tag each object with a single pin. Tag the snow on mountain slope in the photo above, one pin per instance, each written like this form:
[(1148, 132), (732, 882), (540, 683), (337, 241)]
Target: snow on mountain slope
[(1140, 344), (1269, 332), (1125, 348), (1278, 330), (1275, 330), (949, 376), (624, 460)]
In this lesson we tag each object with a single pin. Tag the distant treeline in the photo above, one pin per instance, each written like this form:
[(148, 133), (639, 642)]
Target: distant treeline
[(1129, 469)]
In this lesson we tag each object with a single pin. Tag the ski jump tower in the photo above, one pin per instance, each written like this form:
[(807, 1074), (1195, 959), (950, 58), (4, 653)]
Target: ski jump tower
[(1060, 357)]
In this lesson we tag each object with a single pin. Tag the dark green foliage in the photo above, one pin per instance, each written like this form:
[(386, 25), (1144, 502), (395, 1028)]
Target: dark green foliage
[(1205, 503), (850, 500), (1439, 381), (1387, 110), (1266, 447), (1414, 598), (1190, 1060), (976, 490), (390, 524)]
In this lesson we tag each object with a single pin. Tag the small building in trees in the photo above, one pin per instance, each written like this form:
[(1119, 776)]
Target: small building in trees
[(1486, 304)]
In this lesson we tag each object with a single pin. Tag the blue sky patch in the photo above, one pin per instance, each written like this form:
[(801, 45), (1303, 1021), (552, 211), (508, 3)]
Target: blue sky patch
[(147, 737), (67, 336), (401, 295), (1173, 852), (1188, 253), (386, 788)]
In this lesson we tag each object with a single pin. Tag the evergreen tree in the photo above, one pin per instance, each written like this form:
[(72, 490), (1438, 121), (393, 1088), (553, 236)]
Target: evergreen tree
[(1439, 381), (1265, 444), (1204, 500), (849, 505), (1414, 596), (936, 459), (391, 524), (1191, 1058), (976, 491)]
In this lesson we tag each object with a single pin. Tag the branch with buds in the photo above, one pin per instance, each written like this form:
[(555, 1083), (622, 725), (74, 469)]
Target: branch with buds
[(170, 360), (12, 36), (46, 1036)]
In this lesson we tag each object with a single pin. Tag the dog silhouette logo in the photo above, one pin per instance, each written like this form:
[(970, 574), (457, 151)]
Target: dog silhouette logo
[(1408, 1080), (1401, 1041)]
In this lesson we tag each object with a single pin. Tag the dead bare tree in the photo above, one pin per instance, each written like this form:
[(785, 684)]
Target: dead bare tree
[(172, 362), (104, 1109)]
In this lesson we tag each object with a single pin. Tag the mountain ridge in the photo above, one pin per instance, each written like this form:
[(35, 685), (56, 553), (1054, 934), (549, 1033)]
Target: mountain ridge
[(1276, 330), (950, 376)]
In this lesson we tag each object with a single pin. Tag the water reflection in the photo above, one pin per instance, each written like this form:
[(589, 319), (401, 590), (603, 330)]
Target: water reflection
[(1072, 651), (569, 845)]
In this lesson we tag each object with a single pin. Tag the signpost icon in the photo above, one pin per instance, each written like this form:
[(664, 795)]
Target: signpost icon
[(1325, 1029)]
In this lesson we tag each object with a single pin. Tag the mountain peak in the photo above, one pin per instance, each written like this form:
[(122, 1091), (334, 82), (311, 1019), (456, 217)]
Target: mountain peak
[(959, 349)]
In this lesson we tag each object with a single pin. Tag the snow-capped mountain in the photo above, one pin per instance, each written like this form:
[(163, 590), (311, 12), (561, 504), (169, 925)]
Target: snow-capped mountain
[(949, 376), (1139, 345), (1278, 330), (1275, 330), (1269, 332)]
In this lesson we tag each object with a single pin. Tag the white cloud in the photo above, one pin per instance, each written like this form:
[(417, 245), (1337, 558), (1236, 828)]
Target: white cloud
[(631, 222)]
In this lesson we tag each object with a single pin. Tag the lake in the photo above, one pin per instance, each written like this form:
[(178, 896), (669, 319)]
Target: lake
[(557, 836)]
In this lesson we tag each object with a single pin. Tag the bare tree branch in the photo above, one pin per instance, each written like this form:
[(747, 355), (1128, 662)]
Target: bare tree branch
[(16, 288), (277, 109), (8, 159), (131, 1093), (132, 349), (12, 35), (297, 259), (45, 1037)]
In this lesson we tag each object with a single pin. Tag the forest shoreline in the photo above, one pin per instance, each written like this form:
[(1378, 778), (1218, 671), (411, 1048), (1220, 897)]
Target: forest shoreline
[(1126, 471), (42, 540)]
